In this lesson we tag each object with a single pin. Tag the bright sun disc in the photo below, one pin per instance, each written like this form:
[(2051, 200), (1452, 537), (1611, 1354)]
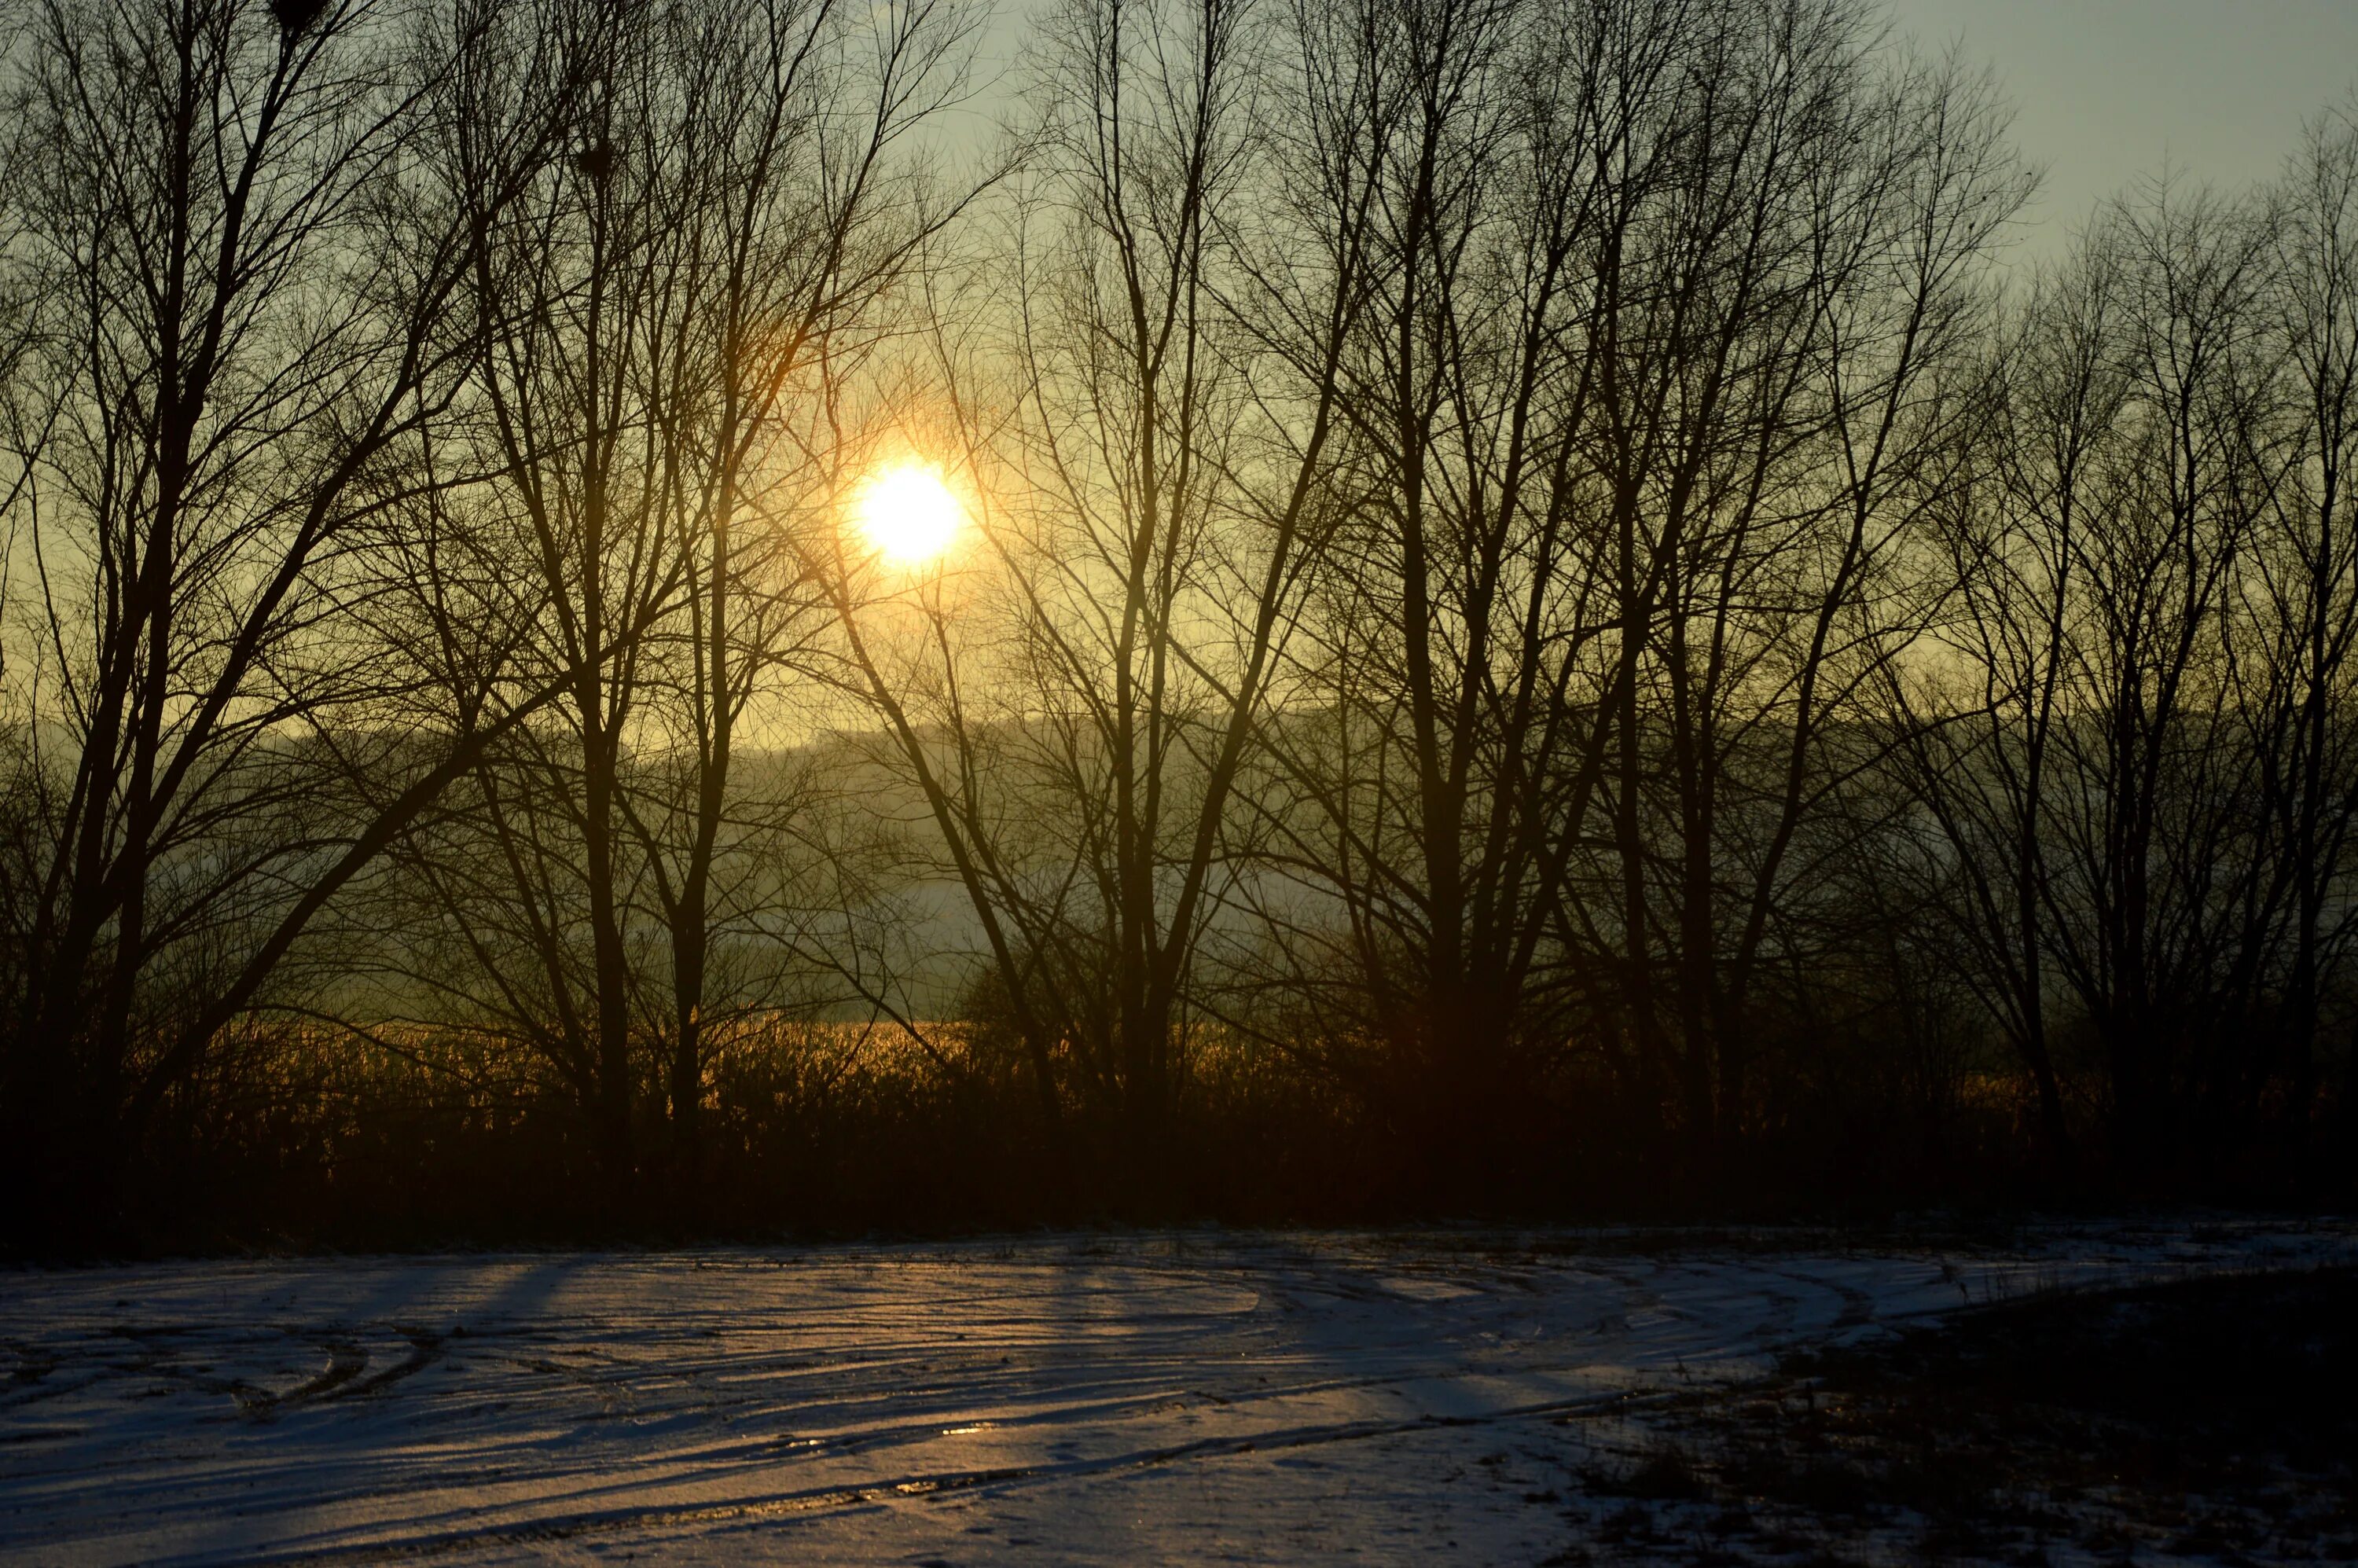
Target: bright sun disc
[(907, 514)]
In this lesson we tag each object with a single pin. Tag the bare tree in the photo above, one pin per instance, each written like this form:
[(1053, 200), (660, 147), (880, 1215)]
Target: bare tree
[(1810, 423), (1975, 750), (244, 288), (732, 203), (2309, 581), (1660, 387), (1147, 484), (2132, 768)]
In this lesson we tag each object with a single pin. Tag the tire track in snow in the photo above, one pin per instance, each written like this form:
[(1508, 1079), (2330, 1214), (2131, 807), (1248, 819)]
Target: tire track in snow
[(474, 1405), (814, 1501)]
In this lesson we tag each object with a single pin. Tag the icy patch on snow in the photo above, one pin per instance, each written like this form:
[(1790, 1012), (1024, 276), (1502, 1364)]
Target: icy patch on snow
[(1180, 1398)]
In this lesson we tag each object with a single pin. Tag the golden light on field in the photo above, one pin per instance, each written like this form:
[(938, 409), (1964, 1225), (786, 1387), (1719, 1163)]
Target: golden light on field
[(908, 513)]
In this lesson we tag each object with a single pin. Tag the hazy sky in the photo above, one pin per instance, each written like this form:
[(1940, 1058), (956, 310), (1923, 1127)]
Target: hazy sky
[(2105, 90)]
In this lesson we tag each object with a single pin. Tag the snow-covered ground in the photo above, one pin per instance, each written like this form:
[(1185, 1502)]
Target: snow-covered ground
[(1181, 1398)]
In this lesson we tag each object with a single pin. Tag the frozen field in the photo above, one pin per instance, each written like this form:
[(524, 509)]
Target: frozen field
[(1196, 1397)]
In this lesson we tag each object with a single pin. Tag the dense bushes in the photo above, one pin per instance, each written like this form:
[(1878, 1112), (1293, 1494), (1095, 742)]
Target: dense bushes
[(312, 1136)]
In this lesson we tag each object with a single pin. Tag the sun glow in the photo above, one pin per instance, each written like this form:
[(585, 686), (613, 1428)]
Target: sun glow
[(908, 513)]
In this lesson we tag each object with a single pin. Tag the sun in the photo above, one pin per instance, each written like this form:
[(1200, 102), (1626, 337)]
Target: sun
[(908, 513)]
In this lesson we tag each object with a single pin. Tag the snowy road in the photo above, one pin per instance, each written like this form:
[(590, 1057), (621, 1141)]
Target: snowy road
[(1198, 1397)]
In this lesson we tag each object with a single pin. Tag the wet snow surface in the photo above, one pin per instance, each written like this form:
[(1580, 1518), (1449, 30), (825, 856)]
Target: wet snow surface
[(1199, 1397)]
